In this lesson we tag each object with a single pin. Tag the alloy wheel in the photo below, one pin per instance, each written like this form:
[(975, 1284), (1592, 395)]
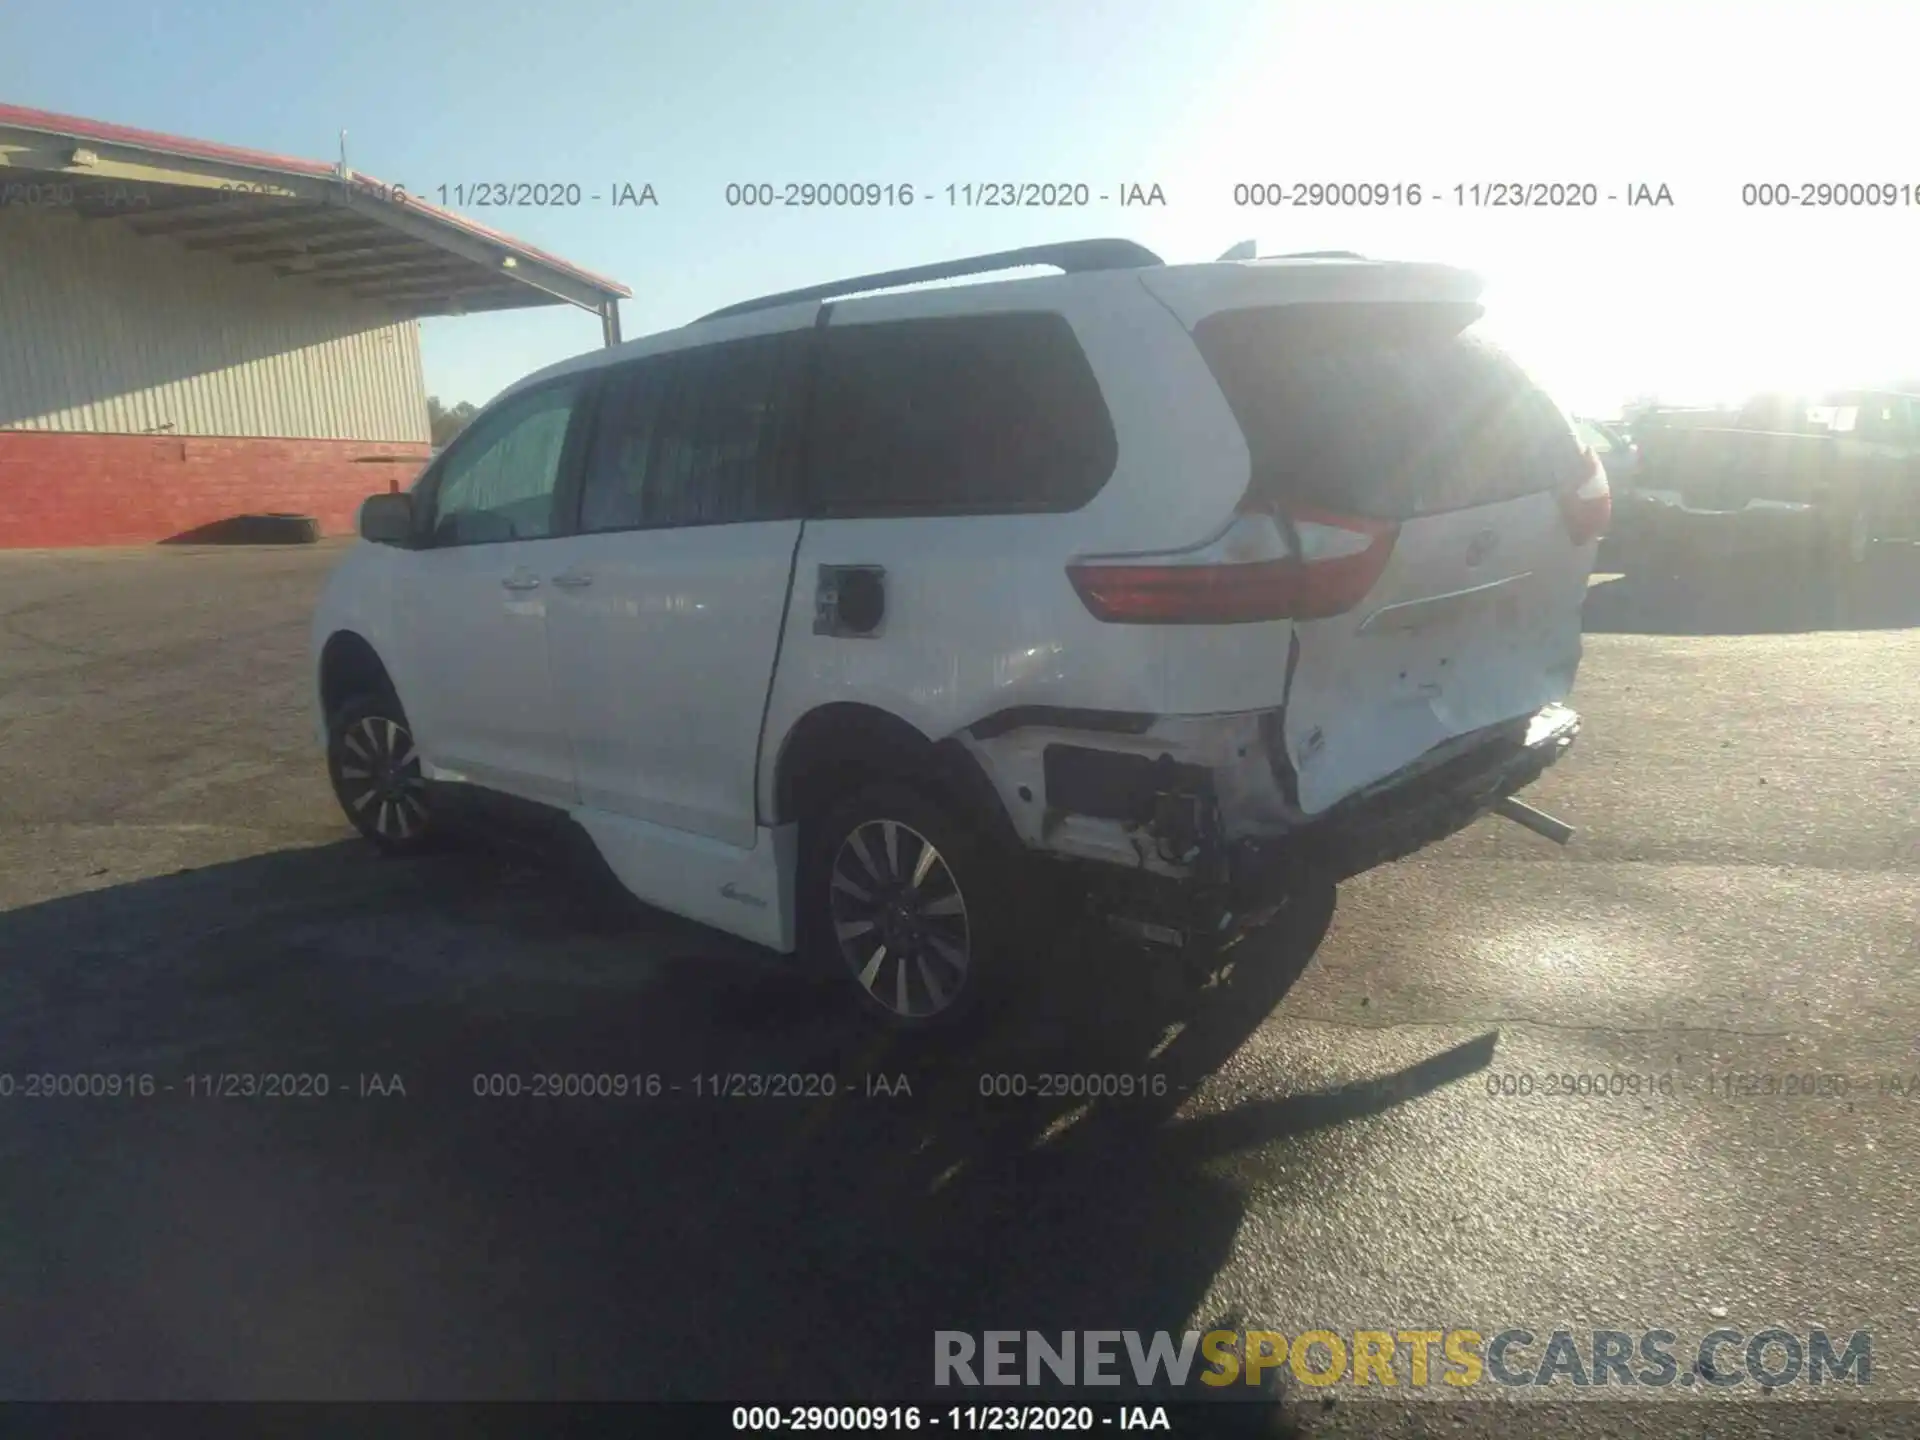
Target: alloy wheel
[(379, 778), (900, 919)]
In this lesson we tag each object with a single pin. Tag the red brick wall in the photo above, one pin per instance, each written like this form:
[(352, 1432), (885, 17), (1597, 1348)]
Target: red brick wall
[(83, 489)]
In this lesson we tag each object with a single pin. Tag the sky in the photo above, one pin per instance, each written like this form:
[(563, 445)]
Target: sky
[(1704, 298)]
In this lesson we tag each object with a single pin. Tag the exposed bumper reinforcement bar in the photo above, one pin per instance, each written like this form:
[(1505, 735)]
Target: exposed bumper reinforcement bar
[(1408, 812), (1537, 821)]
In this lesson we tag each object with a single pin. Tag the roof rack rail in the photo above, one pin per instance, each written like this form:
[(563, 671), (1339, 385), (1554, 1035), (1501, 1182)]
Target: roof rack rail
[(1071, 256)]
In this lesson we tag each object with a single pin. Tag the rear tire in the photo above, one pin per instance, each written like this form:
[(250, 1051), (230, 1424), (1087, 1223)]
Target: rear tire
[(375, 771), (276, 529), (905, 903)]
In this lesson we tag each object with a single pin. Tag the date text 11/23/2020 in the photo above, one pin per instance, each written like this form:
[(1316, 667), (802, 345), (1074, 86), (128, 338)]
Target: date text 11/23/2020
[(897, 1419), (1706, 1084), (812, 1085), (208, 1085)]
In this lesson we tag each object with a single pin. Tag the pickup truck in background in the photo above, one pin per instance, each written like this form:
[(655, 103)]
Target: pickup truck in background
[(1832, 475)]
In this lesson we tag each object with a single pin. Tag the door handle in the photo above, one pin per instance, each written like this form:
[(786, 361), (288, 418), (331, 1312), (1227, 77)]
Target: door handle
[(521, 582), (573, 582)]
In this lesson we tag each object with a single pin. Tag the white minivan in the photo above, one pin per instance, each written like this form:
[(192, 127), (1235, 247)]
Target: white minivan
[(833, 618)]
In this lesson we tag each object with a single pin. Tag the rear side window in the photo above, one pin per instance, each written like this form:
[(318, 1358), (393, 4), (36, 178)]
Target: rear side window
[(959, 415), (614, 492), (1389, 410), (699, 437)]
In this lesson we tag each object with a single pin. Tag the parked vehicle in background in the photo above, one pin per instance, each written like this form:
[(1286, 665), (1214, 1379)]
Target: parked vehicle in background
[(842, 623), (1834, 474), (1617, 450), (1678, 417)]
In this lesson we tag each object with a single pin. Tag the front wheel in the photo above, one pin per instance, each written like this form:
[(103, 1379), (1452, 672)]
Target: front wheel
[(898, 896), (375, 770)]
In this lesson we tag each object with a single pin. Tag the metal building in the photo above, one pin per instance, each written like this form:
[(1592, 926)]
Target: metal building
[(190, 332)]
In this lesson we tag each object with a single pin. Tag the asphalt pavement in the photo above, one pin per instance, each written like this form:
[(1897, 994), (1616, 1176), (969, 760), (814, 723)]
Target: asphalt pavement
[(1321, 1139)]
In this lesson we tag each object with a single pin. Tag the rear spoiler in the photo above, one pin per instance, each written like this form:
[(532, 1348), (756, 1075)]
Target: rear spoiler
[(1250, 250), (1193, 292)]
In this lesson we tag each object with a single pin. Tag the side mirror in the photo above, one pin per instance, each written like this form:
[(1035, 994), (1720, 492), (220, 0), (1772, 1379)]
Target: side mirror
[(387, 519)]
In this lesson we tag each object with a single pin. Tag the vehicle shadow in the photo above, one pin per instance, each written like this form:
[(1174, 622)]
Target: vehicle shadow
[(455, 1243), (1758, 594)]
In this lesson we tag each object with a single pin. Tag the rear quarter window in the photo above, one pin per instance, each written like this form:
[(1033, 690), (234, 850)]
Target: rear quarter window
[(1390, 410), (956, 415)]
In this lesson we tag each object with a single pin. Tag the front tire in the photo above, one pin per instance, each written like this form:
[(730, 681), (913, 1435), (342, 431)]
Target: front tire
[(374, 767), (904, 902)]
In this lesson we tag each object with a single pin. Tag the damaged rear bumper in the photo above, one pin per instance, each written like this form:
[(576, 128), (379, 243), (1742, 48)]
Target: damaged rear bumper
[(1402, 814)]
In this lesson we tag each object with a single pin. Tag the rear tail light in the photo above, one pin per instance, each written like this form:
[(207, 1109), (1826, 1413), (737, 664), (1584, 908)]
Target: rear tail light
[(1304, 566), (1587, 504)]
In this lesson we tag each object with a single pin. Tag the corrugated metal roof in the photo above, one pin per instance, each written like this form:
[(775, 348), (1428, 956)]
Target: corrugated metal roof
[(294, 217)]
